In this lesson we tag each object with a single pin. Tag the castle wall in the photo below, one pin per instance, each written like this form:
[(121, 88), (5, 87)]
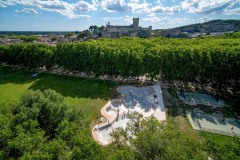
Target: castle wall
[(119, 29), (110, 34), (135, 23), (132, 30)]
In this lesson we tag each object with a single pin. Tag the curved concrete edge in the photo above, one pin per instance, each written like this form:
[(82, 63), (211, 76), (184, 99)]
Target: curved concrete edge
[(159, 113), (110, 119)]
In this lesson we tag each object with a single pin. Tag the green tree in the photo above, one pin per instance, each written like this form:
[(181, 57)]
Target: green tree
[(224, 151), (41, 126), (84, 33), (133, 126), (119, 152), (47, 108), (119, 136), (6, 134), (157, 140), (28, 138), (69, 34), (94, 29), (212, 60)]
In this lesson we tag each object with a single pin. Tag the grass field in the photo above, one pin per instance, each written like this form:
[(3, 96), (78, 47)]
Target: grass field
[(88, 94), (220, 139)]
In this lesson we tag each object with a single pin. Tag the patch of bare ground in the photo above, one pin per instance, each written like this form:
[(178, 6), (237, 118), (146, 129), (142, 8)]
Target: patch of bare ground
[(183, 124)]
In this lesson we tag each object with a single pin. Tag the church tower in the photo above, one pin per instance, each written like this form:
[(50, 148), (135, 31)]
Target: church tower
[(135, 23)]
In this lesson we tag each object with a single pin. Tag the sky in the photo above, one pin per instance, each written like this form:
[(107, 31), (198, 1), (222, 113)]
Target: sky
[(72, 15)]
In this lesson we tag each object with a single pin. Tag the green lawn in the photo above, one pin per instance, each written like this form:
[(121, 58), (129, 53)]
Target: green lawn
[(220, 139), (88, 94)]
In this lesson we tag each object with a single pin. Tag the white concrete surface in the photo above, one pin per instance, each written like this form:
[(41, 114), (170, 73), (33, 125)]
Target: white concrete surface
[(102, 131)]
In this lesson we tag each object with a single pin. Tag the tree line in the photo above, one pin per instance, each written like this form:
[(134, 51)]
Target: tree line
[(204, 60)]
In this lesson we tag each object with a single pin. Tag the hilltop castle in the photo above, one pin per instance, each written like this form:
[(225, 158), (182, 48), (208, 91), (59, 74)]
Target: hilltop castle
[(133, 30)]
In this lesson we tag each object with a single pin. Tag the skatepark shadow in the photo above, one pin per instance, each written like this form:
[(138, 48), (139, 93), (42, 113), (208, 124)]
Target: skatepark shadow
[(173, 111), (209, 118), (233, 122), (219, 120), (133, 96)]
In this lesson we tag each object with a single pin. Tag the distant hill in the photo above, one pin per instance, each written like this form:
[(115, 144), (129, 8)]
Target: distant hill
[(214, 27)]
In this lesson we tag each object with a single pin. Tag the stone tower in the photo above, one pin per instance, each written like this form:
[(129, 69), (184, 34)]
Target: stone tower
[(135, 23)]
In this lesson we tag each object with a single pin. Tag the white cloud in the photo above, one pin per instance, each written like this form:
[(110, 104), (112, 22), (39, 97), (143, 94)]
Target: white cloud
[(235, 11), (125, 18), (180, 20), (128, 19), (82, 16), (140, 7), (58, 6), (157, 7), (166, 10), (164, 20), (2, 5), (210, 6), (156, 19), (55, 5), (84, 6), (6, 3), (28, 10), (134, 1), (114, 5), (69, 10), (135, 6), (112, 18), (234, 8), (152, 19)]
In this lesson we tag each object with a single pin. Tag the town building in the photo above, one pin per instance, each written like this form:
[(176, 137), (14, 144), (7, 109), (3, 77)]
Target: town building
[(133, 30)]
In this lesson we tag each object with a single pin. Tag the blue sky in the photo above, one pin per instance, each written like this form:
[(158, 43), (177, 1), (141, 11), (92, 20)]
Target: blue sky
[(72, 15)]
